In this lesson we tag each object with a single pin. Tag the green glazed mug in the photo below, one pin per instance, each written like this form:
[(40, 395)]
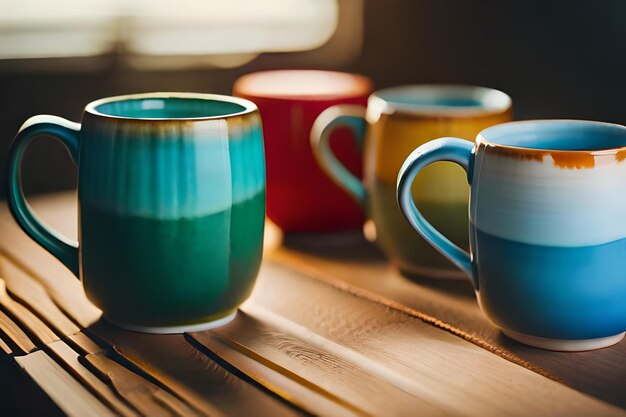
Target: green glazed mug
[(171, 191)]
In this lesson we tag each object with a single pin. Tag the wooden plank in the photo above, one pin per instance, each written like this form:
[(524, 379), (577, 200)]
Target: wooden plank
[(58, 282), (149, 399), (355, 265), (151, 392), (16, 335), (178, 407), (137, 392), (192, 375), (170, 360), (340, 381), (69, 358), (351, 266), (418, 358), (65, 391), (26, 318), (31, 294), (23, 286), (85, 344), (271, 375), (5, 348), (196, 382)]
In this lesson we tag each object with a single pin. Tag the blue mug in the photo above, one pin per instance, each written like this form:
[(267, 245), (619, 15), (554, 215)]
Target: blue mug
[(547, 228)]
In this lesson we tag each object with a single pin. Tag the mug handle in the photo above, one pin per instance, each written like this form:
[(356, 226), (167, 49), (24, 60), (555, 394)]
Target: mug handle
[(67, 133), (454, 150), (341, 115)]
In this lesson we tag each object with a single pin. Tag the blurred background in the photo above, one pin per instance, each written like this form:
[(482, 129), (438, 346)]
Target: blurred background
[(557, 59)]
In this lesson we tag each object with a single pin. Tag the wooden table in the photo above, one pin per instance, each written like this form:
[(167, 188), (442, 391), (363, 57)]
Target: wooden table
[(331, 329)]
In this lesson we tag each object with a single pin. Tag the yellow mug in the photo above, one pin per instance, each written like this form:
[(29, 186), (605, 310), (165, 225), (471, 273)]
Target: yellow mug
[(398, 120)]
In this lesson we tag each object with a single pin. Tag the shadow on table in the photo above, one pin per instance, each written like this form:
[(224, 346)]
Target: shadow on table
[(349, 246), (458, 286), (20, 396), (354, 247)]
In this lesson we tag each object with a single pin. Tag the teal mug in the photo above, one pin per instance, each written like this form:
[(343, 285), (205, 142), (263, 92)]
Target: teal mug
[(171, 191)]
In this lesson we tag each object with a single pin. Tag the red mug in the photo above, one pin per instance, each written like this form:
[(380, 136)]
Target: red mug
[(300, 196)]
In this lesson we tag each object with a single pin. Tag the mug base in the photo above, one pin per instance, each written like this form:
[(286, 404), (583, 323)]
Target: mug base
[(185, 328), (564, 345)]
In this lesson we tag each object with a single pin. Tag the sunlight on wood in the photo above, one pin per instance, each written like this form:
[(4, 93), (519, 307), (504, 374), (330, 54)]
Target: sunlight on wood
[(330, 329), (64, 390)]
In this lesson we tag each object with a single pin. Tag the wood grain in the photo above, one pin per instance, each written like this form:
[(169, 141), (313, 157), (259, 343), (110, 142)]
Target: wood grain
[(26, 318), (149, 399), (5, 348), (196, 374), (68, 358), (24, 287), (386, 339), (343, 382), (192, 375), (420, 359), (84, 344), (171, 361), (31, 294), (274, 377), (144, 396), (16, 335), (61, 285), (354, 264), (65, 391)]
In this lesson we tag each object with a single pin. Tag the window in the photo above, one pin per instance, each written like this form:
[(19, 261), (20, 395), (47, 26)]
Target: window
[(181, 33)]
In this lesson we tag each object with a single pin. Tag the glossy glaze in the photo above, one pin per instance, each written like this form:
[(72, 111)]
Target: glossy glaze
[(557, 292), (547, 236), (300, 198), (171, 190), (398, 120)]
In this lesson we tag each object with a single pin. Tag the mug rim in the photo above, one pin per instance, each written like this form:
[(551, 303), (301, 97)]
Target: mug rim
[(362, 87), (247, 105), (481, 139), (492, 101)]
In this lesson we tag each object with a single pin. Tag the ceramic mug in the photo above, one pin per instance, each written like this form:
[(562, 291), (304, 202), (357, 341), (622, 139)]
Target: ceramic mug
[(400, 119), (548, 228), (300, 197), (171, 191)]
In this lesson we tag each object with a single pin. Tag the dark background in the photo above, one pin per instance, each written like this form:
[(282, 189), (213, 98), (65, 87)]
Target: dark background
[(556, 58)]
